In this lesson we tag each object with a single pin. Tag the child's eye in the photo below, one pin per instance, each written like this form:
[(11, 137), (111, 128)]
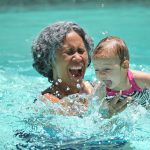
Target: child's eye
[(107, 69), (96, 70)]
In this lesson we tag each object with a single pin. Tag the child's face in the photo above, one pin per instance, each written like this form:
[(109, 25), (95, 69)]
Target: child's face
[(109, 71)]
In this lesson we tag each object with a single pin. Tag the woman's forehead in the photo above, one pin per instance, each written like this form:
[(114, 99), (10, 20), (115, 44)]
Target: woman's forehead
[(73, 40)]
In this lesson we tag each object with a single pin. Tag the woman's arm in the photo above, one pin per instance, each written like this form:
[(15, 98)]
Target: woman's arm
[(70, 105), (51, 97), (142, 79)]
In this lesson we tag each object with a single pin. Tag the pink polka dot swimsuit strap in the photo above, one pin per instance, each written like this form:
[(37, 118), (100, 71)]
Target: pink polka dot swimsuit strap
[(134, 87)]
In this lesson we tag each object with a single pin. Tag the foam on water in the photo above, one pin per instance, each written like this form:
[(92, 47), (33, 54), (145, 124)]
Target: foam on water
[(32, 122), (28, 125)]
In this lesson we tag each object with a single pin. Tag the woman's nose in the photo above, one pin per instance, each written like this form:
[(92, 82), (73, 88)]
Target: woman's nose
[(77, 57)]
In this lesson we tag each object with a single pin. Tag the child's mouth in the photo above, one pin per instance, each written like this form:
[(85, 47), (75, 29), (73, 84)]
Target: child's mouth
[(108, 82)]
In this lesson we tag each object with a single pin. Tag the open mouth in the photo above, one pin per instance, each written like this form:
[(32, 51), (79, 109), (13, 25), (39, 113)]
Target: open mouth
[(76, 71), (108, 82)]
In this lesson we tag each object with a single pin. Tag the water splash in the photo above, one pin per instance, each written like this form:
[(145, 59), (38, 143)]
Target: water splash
[(25, 123)]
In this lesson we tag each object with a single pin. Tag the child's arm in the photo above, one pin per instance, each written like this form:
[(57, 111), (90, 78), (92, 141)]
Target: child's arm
[(115, 106), (142, 79), (112, 107)]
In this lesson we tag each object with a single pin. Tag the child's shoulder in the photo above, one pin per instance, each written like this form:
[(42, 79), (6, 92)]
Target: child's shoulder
[(141, 78), (137, 75)]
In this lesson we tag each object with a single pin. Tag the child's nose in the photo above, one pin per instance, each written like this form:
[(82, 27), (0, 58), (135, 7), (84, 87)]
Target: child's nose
[(102, 74)]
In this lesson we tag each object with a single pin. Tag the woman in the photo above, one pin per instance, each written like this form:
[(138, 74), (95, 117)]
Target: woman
[(62, 53)]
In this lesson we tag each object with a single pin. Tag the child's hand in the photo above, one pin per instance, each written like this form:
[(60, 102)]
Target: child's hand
[(114, 106), (99, 90)]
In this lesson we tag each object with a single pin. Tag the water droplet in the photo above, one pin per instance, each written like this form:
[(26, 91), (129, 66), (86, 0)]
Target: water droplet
[(39, 55), (59, 80), (78, 86), (105, 32), (67, 88), (102, 5)]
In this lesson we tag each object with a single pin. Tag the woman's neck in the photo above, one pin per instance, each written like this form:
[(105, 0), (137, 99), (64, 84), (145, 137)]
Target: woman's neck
[(61, 89)]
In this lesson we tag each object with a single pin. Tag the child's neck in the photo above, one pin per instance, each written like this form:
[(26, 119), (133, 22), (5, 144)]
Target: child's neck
[(124, 83)]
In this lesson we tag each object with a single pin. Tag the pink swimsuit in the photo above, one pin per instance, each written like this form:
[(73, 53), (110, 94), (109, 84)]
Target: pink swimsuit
[(134, 87), (141, 96)]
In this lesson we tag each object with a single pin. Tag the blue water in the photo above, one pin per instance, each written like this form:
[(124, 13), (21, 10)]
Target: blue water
[(25, 125)]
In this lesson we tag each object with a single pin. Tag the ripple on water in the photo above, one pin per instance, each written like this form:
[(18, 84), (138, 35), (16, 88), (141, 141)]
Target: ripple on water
[(27, 124)]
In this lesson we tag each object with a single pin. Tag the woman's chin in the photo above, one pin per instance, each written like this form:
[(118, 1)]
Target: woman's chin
[(76, 77)]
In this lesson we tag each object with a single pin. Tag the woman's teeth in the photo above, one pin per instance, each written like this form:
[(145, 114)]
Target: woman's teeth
[(76, 71)]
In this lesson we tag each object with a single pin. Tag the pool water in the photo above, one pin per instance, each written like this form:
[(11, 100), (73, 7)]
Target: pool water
[(26, 125)]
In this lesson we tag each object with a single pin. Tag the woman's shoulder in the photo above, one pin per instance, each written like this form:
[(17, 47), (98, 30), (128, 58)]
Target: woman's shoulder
[(51, 97), (47, 95), (46, 91)]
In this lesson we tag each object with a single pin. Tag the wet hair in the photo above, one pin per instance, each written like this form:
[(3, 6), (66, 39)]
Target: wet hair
[(112, 45), (50, 40)]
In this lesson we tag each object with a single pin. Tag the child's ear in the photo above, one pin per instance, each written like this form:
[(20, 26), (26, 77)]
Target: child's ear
[(125, 64)]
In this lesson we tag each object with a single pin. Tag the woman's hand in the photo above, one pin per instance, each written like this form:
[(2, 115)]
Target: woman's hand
[(114, 106), (72, 105), (75, 104)]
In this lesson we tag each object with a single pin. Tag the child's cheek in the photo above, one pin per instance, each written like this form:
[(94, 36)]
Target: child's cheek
[(98, 76)]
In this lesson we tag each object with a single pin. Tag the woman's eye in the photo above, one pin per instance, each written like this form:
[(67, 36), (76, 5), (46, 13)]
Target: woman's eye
[(81, 51), (70, 51)]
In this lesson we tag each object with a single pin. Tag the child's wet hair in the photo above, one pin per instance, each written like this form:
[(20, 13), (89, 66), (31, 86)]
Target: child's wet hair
[(112, 45), (51, 39)]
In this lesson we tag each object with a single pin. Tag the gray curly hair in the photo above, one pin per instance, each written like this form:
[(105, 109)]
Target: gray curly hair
[(50, 40)]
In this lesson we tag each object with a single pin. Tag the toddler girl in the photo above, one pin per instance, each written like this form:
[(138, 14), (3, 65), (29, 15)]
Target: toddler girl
[(111, 63)]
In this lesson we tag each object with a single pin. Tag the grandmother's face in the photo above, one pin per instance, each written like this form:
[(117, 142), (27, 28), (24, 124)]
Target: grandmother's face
[(71, 60)]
